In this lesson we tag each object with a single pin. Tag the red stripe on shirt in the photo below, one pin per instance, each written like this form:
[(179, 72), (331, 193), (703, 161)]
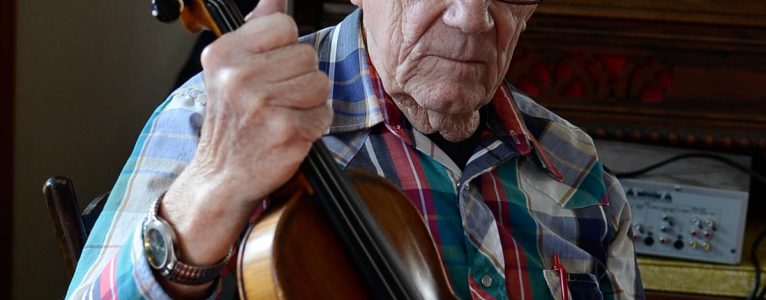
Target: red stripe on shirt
[(516, 279), (413, 181), (107, 281)]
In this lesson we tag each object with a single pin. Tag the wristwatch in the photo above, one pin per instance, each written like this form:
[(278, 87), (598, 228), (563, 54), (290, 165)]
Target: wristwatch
[(160, 246)]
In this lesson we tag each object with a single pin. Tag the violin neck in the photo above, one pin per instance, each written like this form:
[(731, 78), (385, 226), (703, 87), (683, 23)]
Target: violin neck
[(225, 14)]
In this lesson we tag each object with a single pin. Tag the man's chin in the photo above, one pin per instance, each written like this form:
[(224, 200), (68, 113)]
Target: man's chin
[(452, 99)]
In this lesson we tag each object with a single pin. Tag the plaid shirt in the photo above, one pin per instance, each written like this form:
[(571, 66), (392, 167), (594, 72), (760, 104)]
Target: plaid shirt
[(533, 189)]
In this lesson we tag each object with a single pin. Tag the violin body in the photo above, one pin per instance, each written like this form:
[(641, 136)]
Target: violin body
[(293, 253)]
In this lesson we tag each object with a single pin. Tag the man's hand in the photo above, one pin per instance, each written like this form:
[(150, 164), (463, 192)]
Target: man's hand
[(266, 104)]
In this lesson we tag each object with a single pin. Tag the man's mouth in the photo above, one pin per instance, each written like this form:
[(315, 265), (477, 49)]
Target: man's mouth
[(464, 60)]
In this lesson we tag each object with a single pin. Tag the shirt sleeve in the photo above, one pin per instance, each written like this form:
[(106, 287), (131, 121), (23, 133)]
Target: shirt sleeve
[(113, 264), (622, 280)]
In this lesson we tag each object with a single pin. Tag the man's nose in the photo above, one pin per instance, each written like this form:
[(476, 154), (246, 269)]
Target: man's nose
[(470, 16)]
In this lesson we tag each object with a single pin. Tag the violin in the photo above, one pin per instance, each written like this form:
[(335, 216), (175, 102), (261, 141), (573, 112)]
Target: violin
[(327, 234)]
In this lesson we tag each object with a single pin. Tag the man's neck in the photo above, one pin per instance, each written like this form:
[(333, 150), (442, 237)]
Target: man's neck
[(460, 151)]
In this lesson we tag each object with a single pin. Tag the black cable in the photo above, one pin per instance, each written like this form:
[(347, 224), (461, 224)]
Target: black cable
[(633, 174), (758, 292), (754, 256)]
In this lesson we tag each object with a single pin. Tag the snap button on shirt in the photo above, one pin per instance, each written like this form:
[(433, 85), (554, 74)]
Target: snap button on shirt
[(486, 281)]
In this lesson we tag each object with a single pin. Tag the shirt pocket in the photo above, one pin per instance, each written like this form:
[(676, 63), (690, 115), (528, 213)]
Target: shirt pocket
[(582, 286)]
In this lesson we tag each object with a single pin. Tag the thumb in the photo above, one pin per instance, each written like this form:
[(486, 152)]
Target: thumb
[(267, 7)]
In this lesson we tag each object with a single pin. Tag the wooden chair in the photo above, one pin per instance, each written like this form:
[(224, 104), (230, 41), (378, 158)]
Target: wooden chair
[(72, 225)]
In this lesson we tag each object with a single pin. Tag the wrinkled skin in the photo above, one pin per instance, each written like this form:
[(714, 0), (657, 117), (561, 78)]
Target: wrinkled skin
[(442, 60)]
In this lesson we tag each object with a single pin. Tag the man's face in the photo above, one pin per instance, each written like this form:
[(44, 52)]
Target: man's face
[(448, 55)]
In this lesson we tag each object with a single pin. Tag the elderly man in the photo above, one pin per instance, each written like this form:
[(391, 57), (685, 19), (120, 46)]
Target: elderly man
[(416, 94)]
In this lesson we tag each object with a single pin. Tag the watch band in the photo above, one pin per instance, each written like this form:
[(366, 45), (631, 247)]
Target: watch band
[(174, 269), (196, 275)]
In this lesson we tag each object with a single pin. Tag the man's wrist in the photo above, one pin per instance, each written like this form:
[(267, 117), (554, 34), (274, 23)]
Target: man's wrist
[(161, 248), (206, 219)]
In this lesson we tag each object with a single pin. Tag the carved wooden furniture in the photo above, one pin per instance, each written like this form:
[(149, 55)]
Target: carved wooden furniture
[(679, 73), (313, 15)]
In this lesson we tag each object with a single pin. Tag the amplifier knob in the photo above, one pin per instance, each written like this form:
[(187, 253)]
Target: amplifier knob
[(710, 224), (696, 222), (637, 227), (668, 219), (679, 244), (706, 246)]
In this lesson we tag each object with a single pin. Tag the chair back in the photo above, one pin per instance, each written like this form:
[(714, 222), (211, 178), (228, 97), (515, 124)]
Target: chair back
[(71, 225)]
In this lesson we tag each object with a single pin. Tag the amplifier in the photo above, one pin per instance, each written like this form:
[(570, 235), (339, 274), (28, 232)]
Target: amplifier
[(687, 222)]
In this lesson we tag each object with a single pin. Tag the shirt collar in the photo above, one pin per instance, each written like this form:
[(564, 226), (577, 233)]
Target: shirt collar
[(343, 57), (507, 110), (360, 102)]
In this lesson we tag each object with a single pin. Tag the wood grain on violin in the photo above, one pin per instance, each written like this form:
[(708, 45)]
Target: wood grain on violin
[(295, 249)]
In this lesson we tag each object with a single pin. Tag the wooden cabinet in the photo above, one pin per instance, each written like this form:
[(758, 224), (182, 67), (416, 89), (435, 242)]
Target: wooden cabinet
[(681, 73), (313, 15)]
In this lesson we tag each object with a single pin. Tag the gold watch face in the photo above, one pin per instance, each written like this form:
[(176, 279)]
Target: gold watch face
[(155, 244)]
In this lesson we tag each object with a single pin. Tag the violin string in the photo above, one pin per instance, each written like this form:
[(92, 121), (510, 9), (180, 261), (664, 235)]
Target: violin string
[(235, 13), (352, 229), (226, 7), (224, 11), (313, 161)]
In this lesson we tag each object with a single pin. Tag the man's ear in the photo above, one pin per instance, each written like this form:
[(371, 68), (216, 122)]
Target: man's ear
[(358, 3)]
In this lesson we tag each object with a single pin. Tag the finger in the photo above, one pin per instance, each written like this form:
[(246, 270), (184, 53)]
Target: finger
[(315, 122), (307, 91), (305, 124), (267, 33), (267, 7), (260, 36), (285, 63)]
